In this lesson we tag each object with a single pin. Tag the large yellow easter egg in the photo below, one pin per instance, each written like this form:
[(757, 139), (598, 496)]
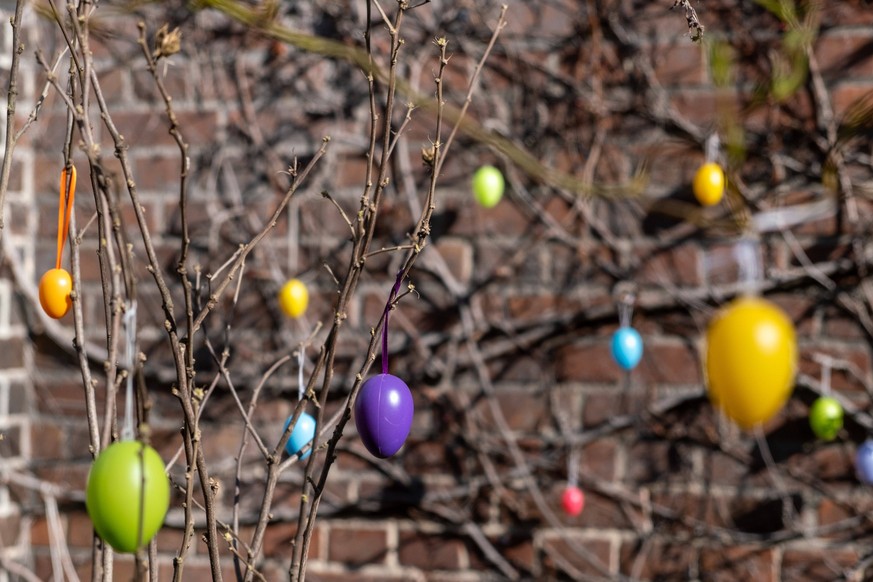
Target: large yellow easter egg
[(751, 359)]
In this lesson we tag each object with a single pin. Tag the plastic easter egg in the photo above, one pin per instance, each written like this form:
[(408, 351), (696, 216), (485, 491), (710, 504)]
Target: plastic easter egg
[(826, 418), (572, 501), (127, 495), (751, 358), (54, 292), (293, 298), (627, 347), (708, 184), (383, 414), (488, 186), (301, 435), (864, 462)]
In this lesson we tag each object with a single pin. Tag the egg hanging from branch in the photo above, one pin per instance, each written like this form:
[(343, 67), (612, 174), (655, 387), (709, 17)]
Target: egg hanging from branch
[(383, 414), (750, 360)]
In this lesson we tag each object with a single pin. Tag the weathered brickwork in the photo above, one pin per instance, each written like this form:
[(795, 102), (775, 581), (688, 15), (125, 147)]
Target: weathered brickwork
[(603, 90)]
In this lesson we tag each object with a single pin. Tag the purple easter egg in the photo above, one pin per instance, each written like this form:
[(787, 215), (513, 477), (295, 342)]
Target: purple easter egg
[(383, 414), (864, 462)]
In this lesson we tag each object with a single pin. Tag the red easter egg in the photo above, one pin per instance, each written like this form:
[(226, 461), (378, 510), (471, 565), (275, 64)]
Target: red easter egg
[(572, 501)]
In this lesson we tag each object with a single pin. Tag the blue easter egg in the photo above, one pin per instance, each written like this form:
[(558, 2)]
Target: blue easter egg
[(864, 462), (302, 435), (627, 347)]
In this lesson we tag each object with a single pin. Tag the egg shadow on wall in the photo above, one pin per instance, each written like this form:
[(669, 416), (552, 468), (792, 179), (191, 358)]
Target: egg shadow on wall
[(675, 209)]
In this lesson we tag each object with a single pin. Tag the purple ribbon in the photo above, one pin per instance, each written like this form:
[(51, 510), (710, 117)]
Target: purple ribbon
[(391, 298)]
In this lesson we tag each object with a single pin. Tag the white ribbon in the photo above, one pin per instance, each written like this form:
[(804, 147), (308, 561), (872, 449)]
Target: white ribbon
[(129, 322)]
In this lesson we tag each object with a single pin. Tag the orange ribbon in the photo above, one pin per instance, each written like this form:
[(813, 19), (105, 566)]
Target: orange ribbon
[(65, 208)]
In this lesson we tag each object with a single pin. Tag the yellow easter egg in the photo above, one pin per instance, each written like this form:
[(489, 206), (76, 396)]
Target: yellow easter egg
[(751, 360)]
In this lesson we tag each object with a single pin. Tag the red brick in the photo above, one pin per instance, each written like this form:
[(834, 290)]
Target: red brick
[(555, 19), (723, 469), (679, 64), (430, 552), (599, 458), (426, 457), (520, 553), (828, 462), (43, 564), (158, 173), (832, 511), (10, 444), (841, 327), (844, 54), (816, 563), (660, 560), (62, 396), (848, 94), (458, 256), (46, 441), (601, 407), (351, 172), (520, 369), (588, 362), (698, 106), (68, 475), (152, 129), (316, 574), (10, 529), (112, 83), (720, 264), (676, 266), (219, 440), (586, 557), (176, 80), (658, 461), (194, 568), (80, 530), (279, 540), (39, 535), (853, 13), (505, 219), (841, 379), (357, 546), (77, 527), (11, 353), (737, 563), (524, 411), (600, 511), (18, 218), (669, 363), (710, 509), (169, 539)]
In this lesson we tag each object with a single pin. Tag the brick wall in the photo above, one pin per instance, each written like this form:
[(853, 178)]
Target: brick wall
[(16, 362), (673, 492)]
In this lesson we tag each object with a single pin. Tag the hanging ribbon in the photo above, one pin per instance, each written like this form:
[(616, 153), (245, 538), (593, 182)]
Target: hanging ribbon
[(391, 298), (746, 253), (65, 208), (713, 143), (129, 322), (301, 357), (626, 310), (826, 363), (573, 468)]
